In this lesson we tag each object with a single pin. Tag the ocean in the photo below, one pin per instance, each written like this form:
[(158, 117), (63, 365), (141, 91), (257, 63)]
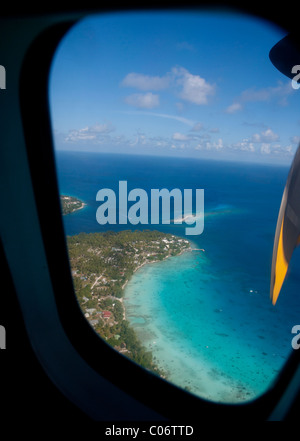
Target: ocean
[(206, 315)]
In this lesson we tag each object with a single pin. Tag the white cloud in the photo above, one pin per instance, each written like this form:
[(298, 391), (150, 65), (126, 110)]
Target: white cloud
[(191, 88), (145, 82), (266, 136), (101, 128), (195, 89), (210, 145), (278, 94), (143, 100), (265, 148), (219, 144), (263, 144), (244, 145), (234, 107), (180, 137), (93, 133), (276, 149)]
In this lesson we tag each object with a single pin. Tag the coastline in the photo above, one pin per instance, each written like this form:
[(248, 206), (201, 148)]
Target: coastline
[(70, 204), (149, 263), (83, 204), (102, 265), (171, 351)]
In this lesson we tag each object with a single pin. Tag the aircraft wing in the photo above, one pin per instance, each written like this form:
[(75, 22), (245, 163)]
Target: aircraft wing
[(287, 235)]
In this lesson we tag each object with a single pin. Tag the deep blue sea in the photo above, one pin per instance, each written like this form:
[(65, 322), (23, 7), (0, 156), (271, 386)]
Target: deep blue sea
[(206, 315)]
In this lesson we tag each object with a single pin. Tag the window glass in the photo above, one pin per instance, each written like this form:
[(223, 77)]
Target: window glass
[(173, 136)]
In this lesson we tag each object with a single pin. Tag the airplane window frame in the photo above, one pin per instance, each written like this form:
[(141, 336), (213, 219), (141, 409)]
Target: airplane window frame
[(167, 399)]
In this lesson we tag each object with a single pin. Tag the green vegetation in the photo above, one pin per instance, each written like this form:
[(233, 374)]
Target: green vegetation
[(70, 204), (102, 264)]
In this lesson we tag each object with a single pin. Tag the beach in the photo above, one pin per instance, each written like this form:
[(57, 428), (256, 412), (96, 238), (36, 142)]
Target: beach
[(150, 263)]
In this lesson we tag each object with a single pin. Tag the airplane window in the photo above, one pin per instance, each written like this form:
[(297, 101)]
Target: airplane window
[(173, 138)]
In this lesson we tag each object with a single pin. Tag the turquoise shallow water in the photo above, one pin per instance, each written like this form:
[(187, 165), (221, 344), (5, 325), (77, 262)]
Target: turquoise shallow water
[(199, 332)]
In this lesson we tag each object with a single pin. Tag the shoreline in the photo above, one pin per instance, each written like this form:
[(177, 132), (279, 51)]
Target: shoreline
[(66, 200), (157, 367), (196, 378), (149, 263), (83, 204), (115, 257)]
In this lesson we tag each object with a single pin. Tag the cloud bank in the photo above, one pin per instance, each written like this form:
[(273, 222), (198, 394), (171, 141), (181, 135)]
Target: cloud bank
[(179, 81)]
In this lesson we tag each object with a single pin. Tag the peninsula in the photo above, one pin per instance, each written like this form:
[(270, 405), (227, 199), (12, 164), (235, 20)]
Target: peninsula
[(102, 264), (70, 204)]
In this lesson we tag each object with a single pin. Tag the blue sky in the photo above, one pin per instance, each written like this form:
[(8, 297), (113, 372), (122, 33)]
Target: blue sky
[(180, 84)]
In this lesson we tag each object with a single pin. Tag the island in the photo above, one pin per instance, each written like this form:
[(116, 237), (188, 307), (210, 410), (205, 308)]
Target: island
[(70, 204), (102, 264)]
